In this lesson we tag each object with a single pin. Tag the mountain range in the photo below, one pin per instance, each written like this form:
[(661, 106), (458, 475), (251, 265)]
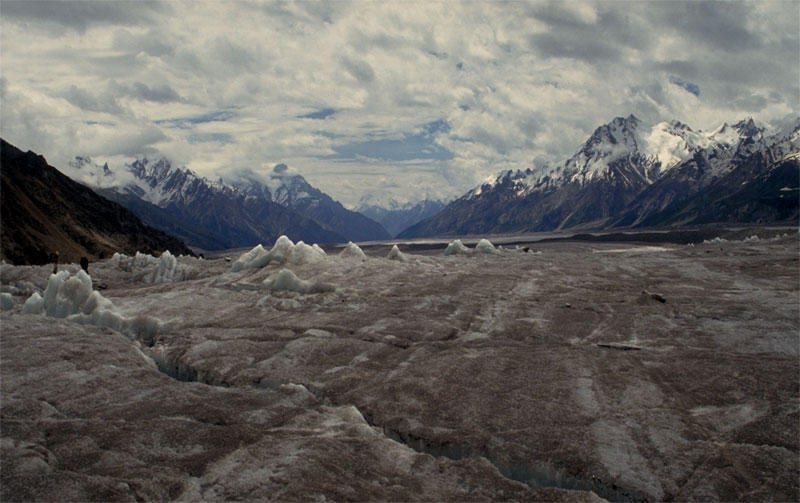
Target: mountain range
[(44, 211), (248, 209), (630, 174), (394, 216)]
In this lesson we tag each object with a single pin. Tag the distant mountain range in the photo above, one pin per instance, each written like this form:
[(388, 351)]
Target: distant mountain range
[(629, 174), (395, 217), (44, 211), (247, 210)]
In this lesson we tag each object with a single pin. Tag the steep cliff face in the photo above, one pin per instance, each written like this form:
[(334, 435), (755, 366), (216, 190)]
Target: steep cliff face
[(45, 211)]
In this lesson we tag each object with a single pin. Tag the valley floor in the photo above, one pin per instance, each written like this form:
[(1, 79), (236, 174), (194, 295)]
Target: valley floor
[(574, 372)]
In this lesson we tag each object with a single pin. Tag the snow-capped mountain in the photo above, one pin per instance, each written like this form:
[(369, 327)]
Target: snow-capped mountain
[(244, 211), (291, 190), (394, 216), (624, 174)]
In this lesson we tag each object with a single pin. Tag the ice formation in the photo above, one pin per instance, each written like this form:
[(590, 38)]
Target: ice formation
[(485, 246), (73, 298), (6, 301), (167, 267), (284, 251), (396, 254), (352, 250), (456, 248), (130, 263), (287, 281)]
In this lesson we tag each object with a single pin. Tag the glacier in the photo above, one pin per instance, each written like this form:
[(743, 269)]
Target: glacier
[(509, 375)]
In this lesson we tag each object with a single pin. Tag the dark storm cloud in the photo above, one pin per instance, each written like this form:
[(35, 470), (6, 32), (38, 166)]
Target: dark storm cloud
[(79, 15), (602, 39), (719, 25)]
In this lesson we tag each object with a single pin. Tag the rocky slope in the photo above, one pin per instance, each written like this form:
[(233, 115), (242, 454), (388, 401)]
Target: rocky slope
[(45, 211)]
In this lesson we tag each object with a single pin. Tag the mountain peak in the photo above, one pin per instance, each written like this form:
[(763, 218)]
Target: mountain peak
[(748, 127)]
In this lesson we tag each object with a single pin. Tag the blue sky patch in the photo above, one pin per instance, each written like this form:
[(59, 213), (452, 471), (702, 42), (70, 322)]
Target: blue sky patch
[(320, 114), (188, 122), (689, 86), (412, 146)]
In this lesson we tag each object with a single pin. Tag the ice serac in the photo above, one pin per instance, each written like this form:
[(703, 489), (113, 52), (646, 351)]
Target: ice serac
[(632, 174)]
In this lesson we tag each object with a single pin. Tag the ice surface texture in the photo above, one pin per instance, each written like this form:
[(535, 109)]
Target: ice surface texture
[(547, 369)]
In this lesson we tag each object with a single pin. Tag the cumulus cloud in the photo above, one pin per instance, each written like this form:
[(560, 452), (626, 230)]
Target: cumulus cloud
[(401, 100)]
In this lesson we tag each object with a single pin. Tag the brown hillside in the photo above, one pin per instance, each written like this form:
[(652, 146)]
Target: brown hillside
[(43, 210)]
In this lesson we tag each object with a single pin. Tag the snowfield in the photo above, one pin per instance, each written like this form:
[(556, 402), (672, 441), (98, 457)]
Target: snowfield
[(577, 372)]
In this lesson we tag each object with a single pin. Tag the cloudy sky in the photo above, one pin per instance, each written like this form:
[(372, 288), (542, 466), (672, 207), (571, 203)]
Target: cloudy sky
[(403, 100)]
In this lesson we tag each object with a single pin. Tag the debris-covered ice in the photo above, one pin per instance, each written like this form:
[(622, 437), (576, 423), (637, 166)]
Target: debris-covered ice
[(388, 387), (286, 280)]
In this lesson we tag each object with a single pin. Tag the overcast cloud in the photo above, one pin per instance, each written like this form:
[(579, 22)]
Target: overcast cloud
[(403, 100)]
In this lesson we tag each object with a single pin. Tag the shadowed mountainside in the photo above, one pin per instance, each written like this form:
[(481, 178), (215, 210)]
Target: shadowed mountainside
[(44, 210)]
